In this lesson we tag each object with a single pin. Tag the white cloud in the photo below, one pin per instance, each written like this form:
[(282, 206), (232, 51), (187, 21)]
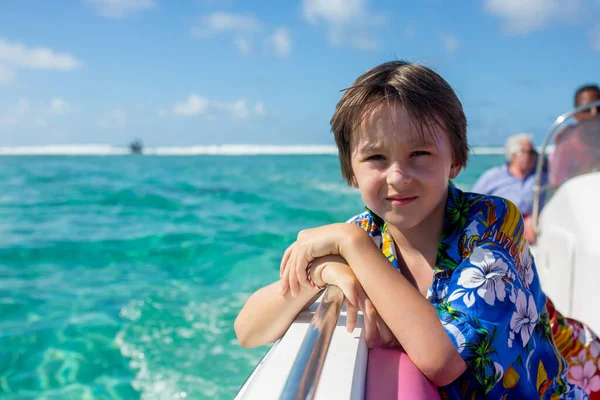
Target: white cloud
[(281, 42), (226, 22), (113, 118), (196, 105), (36, 58), (242, 26), (244, 45), (220, 22), (259, 109), (348, 21), (525, 16), (450, 42), (238, 109), (6, 76), (335, 11), (58, 106), (120, 8)]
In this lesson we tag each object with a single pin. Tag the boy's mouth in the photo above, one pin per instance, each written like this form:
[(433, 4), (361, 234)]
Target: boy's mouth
[(401, 200)]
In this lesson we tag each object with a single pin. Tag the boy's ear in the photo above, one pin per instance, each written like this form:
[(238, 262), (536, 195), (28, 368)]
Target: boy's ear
[(354, 182), (455, 170)]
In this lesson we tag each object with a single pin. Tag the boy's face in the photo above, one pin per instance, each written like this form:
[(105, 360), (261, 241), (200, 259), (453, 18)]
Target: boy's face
[(402, 173)]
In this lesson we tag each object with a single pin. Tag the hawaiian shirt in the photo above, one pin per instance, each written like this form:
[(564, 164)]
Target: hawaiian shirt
[(486, 291)]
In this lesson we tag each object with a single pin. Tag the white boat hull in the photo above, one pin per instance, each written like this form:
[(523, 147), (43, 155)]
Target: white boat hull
[(567, 252)]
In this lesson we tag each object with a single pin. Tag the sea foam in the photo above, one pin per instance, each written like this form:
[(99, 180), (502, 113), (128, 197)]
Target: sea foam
[(225, 150)]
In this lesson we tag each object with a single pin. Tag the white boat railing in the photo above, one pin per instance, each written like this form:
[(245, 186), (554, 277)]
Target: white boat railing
[(539, 188), (304, 377)]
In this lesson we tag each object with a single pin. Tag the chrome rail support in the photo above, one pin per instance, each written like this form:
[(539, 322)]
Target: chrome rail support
[(539, 168), (304, 376)]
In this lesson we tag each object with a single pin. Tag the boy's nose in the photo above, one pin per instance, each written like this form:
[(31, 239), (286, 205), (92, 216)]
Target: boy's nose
[(398, 176)]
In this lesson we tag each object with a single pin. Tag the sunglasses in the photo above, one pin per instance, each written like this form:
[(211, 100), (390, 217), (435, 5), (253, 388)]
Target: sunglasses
[(531, 152)]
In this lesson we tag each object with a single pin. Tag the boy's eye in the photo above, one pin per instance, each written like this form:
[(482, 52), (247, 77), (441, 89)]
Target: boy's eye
[(419, 153), (375, 157)]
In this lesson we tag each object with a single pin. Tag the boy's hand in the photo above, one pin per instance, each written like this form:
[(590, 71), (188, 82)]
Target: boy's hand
[(334, 270), (310, 245)]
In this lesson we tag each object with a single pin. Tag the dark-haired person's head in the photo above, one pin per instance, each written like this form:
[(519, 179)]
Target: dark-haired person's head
[(585, 95)]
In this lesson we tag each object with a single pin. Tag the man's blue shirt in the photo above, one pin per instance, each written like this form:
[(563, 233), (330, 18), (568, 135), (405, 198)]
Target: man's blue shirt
[(500, 182)]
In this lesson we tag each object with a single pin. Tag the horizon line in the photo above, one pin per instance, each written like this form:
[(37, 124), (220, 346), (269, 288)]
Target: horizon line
[(225, 149)]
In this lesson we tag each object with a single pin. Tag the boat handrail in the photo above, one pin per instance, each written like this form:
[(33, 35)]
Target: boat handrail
[(541, 159), (304, 377)]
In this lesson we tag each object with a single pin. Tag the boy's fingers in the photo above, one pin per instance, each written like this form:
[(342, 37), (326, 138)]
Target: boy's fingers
[(285, 275), (301, 272), (348, 287), (387, 337), (370, 322), (284, 259), (284, 285), (351, 316), (292, 278), (352, 294)]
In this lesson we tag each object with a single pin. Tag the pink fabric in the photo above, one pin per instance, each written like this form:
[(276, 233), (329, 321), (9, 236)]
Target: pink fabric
[(392, 375)]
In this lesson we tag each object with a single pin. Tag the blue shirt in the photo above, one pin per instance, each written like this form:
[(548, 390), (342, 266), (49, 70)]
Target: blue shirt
[(487, 294), (500, 182)]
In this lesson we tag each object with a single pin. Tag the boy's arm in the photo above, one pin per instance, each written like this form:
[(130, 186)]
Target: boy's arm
[(267, 314), (412, 318), (492, 308)]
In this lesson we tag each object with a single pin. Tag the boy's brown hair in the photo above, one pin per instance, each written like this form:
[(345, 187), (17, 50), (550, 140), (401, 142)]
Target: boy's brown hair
[(425, 95)]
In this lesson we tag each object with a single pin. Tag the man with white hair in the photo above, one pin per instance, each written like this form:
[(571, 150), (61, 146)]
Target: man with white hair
[(514, 180)]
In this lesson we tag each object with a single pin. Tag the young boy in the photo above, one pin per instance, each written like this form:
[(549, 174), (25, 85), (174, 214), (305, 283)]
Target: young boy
[(467, 306)]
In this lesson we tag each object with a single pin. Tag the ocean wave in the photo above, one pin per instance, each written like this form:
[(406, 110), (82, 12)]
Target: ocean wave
[(336, 188), (500, 150), (487, 150), (243, 150), (224, 150), (92, 149), (227, 150)]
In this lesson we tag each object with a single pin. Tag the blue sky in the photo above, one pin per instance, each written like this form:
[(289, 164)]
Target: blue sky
[(200, 72)]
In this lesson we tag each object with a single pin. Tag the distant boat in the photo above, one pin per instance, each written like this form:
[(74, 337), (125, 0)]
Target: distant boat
[(136, 147)]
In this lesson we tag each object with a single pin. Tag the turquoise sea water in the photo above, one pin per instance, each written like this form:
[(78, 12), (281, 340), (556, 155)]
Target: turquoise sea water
[(121, 276)]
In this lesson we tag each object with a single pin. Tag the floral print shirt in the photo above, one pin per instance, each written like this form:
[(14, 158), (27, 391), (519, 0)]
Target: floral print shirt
[(487, 294)]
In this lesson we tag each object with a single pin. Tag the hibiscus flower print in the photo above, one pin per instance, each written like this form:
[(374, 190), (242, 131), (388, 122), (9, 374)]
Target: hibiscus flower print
[(484, 276), (583, 372), (526, 265), (595, 349), (524, 318)]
